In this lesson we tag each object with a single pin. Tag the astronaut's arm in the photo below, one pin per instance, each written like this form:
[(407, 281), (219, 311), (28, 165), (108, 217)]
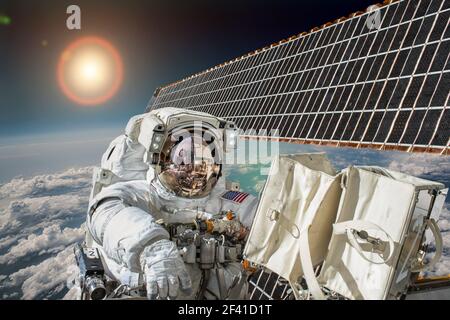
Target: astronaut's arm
[(131, 237), (123, 231)]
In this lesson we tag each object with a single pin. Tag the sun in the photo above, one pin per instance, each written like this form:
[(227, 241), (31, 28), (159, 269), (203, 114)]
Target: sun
[(90, 71)]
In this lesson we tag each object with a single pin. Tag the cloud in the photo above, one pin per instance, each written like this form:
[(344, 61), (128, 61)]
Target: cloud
[(6, 242), (40, 219), (27, 205), (49, 276), (52, 239), (421, 164), (51, 184), (40, 212), (13, 295)]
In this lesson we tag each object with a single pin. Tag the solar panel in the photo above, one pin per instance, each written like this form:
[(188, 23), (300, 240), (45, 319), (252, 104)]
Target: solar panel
[(267, 285), (376, 79)]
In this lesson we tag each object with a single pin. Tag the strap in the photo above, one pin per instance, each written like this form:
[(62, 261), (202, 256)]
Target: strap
[(287, 224), (434, 228), (307, 266), (349, 227)]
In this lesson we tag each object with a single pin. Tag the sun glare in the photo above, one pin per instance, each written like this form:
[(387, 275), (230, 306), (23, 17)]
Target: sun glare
[(90, 71)]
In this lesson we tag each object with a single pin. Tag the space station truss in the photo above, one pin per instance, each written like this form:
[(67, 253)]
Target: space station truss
[(375, 79)]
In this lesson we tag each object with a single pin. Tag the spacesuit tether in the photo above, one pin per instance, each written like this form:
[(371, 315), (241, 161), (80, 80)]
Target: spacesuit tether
[(162, 222)]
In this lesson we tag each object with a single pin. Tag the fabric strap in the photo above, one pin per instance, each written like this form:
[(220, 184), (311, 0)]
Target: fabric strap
[(348, 228), (338, 228), (308, 268)]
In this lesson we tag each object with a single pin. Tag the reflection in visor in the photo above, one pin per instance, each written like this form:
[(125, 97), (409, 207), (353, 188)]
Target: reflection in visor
[(188, 167)]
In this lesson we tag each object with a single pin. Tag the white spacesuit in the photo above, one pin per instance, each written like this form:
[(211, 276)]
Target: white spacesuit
[(161, 216)]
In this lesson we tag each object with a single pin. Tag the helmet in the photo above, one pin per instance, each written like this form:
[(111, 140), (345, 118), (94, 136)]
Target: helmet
[(190, 164)]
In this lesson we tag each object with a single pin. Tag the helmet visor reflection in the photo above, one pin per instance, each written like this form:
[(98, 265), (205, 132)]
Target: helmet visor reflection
[(190, 169)]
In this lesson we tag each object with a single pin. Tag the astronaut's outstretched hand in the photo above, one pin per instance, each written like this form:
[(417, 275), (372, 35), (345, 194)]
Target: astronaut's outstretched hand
[(165, 272)]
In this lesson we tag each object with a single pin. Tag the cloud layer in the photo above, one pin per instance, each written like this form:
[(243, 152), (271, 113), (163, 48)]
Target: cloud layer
[(52, 239), (40, 218)]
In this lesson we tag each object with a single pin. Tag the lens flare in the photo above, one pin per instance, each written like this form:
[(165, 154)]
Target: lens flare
[(5, 20), (90, 71)]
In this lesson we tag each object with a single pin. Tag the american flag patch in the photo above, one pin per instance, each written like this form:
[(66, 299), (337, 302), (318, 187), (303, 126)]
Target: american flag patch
[(235, 196)]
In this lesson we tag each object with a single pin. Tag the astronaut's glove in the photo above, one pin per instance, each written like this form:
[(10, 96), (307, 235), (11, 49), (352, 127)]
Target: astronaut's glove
[(164, 269)]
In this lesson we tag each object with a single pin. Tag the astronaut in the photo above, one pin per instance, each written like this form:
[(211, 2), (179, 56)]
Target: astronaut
[(160, 214)]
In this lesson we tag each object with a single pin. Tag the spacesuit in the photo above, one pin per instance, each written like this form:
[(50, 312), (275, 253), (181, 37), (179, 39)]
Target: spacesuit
[(161, 216)]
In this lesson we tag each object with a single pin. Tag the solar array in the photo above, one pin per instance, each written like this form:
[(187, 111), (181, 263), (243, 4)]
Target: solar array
[(266, 285), (377, 79)]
